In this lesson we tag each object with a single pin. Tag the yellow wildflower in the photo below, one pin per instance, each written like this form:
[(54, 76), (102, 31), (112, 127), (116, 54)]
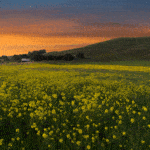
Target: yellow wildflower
[(144, 108), (61, 140), (78, 142), (88, 147), (45, 135), (132, 120), (142, 141), (80, 131)]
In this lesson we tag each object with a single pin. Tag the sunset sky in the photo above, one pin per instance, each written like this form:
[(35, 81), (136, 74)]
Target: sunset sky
[(56, 25)]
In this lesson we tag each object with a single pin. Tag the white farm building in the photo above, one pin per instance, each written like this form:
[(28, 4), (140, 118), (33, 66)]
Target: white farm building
[(25, 60)]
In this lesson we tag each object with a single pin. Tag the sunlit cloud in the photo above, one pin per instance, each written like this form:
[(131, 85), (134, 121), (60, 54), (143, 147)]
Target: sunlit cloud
[(57, 29)]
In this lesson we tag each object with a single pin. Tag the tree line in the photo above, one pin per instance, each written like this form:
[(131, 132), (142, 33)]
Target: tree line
[(38, 56)]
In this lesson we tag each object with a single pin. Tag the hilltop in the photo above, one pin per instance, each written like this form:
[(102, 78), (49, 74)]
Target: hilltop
[(114, 50)]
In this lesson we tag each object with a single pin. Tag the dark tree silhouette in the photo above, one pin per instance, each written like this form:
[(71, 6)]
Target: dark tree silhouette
[(80, 55), (24, 56), (60, 57), (68, 57), (5, 58), (50, 57), (41, 52), (16, 58)]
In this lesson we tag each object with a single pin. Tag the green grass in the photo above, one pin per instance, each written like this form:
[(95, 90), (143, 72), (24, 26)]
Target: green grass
[(119, 49)]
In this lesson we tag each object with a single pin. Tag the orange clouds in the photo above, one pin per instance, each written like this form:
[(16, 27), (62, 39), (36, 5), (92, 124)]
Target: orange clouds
[(41, 27), (18, 44), (23, 32)]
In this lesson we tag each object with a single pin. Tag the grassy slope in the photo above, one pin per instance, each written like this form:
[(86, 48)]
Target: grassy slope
[(119, 49)]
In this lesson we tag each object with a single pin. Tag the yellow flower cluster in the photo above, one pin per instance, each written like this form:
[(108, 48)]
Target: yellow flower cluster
[(71, 106)]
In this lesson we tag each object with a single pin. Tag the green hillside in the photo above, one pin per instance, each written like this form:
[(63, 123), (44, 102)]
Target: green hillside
[(114, 50)]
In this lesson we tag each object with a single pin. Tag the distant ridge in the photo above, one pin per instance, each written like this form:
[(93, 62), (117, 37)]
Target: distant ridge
[(118, 49)]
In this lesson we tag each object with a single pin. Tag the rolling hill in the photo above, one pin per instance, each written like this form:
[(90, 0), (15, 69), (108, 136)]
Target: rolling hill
[(119, 49)]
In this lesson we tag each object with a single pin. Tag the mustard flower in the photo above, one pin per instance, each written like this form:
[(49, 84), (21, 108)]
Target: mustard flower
[(120, 122), (144, 108), (13, 139), (133, 112), (93, 124), (87, 117), (36, 129), (142, 141), (111, 108), (132, 120), (74, 134), (18, 138), (51, 132), (10, 144), (106, 111), (75, 110), (78, 142), (88, 147), (45, 129), (80, 131), (114, 136), (73, 141), (117, 111), (78, 125), (68, 136), (54, 95), (19, 115), (38, 133), (1, 140), (53, 111), (100, 106), (120, 117), (93, 139), (86, 136), (45, 135), (31, 115), (72, 103), (87, 126), (144, 118), (106, 128), (61, 140)]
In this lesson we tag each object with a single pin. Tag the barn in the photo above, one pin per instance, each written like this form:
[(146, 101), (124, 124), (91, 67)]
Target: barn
[(25, 60)]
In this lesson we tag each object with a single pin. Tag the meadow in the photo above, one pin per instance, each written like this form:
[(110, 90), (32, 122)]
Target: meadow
[(92, 106)]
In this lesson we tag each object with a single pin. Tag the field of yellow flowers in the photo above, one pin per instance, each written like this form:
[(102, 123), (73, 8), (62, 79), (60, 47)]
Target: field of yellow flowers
[(74, 107)]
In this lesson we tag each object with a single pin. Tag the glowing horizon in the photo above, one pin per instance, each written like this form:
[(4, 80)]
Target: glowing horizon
[(66, 27)]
